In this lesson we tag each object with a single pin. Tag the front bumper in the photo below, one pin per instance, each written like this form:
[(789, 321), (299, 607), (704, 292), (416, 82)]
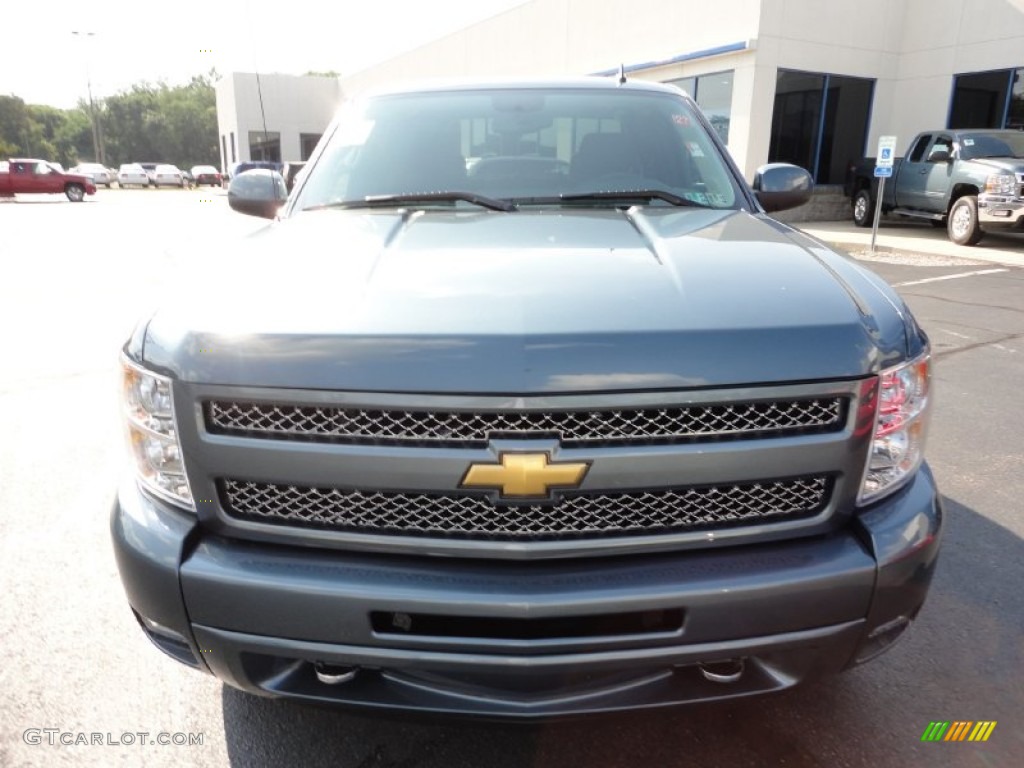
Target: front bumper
[(261, 616), (1000, 210)]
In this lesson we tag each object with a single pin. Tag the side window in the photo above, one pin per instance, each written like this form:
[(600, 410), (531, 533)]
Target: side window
[(917, 153), (19, 168), (41, 169), (941, 150)]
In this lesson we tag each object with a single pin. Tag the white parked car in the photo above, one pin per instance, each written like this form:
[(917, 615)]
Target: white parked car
[(168, 176), (98, 173), (132, 174)]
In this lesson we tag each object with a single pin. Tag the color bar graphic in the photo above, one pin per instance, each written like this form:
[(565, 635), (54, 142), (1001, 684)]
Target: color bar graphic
[(958, 730)]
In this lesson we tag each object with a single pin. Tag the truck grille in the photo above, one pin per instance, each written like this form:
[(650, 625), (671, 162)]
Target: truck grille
[(319, 423), (476, 516)]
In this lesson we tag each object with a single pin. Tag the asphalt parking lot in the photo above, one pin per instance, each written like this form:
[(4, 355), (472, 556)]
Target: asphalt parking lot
[(76, 276)]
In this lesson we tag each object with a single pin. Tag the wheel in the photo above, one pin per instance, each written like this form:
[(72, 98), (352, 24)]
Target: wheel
[(75, 192), (863, 208), (962, 222)]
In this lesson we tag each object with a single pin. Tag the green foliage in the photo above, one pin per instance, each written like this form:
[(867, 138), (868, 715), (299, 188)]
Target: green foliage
[(145, 123), (160, 123)]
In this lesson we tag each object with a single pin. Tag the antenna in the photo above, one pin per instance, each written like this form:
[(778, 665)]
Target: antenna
[(263, 114), (622, 74)]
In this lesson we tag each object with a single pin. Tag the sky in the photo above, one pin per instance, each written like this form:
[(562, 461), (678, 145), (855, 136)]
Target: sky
[(43, 62)]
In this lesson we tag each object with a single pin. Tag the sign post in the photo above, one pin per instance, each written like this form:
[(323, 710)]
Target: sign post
[(883, 170)]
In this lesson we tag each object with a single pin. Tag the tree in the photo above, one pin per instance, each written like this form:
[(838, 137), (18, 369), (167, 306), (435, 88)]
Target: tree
[(14, 125), (146, 122), (160, 123)]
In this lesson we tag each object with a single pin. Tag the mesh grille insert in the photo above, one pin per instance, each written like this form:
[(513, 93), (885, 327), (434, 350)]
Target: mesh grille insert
[(581, 427), (464, 515)]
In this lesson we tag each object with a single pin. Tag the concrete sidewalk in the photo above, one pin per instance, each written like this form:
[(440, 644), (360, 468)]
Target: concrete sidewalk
[(906, 238)]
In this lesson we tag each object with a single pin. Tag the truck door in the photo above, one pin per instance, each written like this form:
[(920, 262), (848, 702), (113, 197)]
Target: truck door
[(43, 179), (912, 175), (21, 176), (938, 173)]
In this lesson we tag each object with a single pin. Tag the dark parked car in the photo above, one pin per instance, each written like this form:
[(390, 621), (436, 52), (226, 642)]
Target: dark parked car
[(577, 429)]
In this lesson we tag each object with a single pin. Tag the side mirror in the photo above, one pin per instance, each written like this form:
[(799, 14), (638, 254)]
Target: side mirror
[(781, 186), (258, 192), (940, 156)]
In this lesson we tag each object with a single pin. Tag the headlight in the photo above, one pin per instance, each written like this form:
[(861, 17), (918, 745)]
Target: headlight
[(901, 423), (1001, 184), (152, 436)]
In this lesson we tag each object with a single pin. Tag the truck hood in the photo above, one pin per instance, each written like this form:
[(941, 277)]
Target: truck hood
[(526, 302), (1012, 164)]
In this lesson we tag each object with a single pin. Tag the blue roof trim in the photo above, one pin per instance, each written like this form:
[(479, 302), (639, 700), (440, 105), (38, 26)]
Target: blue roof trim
[(718, 51)]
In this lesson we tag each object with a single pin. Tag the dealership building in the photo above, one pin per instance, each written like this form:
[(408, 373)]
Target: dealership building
[(811, 82)]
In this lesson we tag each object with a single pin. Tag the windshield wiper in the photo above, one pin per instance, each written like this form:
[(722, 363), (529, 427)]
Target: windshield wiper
[(634, 195), (370, 201)]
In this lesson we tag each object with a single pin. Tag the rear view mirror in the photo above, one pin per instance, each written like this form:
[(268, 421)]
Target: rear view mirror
[(258, 192), (781, 186)]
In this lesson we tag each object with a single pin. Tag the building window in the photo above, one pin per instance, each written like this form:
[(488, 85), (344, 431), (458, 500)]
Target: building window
[(820, 122), (713, 94), (265, 145), (307, 143), (988, 100), (232, 134), (223, 152)]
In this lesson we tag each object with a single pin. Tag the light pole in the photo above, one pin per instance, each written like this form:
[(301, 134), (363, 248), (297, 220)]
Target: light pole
[(97, 143)]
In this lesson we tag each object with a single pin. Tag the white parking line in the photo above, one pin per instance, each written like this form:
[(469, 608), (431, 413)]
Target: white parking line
[(951, 277), (958, 335)]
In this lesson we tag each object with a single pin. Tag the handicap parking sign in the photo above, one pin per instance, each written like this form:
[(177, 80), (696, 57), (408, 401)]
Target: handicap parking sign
[(886, 148)]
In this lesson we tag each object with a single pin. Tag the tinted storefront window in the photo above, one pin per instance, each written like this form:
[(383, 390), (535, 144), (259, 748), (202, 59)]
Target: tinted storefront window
[(988, 100), (820, 122), (1015, 116)]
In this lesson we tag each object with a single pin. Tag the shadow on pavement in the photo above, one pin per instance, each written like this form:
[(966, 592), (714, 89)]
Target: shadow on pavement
[(960, 661)]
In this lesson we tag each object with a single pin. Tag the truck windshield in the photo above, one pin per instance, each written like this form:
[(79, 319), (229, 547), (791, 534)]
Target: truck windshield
[(529, 146), (1002, 144)]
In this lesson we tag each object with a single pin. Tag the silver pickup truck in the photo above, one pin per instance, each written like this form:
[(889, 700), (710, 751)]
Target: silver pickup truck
[(966, 181), (524, 407)]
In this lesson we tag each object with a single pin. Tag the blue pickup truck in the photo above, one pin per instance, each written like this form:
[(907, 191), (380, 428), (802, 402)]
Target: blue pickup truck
[(524, 408), (963, 180)]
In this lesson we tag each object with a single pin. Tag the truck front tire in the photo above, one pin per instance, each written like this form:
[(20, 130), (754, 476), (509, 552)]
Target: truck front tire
[(962, 223), (75, 192), (863, 208)]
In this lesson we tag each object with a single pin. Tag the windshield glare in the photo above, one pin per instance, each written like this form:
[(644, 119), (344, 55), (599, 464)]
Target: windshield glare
[(524, 145), (1001, 144)]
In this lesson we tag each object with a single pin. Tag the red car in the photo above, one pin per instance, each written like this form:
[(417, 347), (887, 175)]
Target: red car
[(40, 177), (205, 174)]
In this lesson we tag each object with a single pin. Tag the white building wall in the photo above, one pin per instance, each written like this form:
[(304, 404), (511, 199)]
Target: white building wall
[(853, 39), (910, 48), (568, 37), (943, 38), (293, 105), (574, 37)]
